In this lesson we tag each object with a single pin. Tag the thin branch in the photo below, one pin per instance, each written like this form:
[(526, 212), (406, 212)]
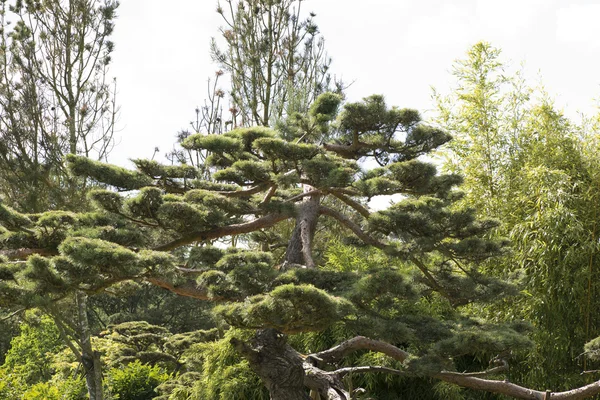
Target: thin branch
[(269, 194), (362, 210), (23, 254), (12, 314), (340, 373), (244, 193), (355, 228)]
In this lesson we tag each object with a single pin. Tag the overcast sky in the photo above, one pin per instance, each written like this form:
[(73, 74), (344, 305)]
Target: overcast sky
[(399, 48)]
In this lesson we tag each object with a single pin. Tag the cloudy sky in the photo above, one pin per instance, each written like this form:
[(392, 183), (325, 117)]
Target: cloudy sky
[(399, 48)]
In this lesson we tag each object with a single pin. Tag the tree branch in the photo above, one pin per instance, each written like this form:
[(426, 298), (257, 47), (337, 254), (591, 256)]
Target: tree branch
[(340, 373), (355, 228), (470, 380), (335, 354), (352, 203), (243, 193), (23, 254), (188, 289), (236, 229)]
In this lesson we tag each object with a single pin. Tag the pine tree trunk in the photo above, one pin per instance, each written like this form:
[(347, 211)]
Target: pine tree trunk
[(299, 250), (89, 359), (276, 363)]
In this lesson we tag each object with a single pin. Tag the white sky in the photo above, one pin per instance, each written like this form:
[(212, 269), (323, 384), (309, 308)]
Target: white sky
[(399, 48)]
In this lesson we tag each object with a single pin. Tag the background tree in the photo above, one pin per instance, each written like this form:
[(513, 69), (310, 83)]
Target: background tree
[(276, 59), (55, 94), (56, 99), (528, 165)]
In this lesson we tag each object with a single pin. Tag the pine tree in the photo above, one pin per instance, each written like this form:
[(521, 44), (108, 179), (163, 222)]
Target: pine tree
[(161, 224), (56, 99)]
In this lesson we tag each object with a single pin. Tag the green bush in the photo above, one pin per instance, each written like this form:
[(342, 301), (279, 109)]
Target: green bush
[(136, 381)]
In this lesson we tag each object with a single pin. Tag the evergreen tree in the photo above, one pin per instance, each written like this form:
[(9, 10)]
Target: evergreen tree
[(276, 59), (162, 231), (56, 99), (56, 96)]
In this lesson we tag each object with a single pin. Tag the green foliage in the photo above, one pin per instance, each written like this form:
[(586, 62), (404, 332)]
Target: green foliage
[(526, 164), (136, 381), (115, 176), (288, 308), (221, 373), (30, 355), (416, 265)]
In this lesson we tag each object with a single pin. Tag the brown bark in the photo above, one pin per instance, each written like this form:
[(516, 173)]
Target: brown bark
[(89, 358), (299, 250), (276, 363)]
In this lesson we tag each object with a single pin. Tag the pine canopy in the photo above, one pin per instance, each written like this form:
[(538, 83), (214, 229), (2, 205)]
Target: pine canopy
[(275, 191)]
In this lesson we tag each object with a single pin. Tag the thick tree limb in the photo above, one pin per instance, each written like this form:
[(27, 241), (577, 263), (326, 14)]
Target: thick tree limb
[(335, 354), (236, 229), (469, 379)]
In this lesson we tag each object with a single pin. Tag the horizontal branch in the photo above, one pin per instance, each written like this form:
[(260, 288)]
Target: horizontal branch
[(236, 229), (470, 380), (243, 193), (340, 373), (188, 289), (496, 370), (23, 254)]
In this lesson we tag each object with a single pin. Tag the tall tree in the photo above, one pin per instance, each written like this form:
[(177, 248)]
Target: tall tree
[(161, 233)]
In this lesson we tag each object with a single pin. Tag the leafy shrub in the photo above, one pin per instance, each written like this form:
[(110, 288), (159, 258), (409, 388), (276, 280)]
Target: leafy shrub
[(136, 381)]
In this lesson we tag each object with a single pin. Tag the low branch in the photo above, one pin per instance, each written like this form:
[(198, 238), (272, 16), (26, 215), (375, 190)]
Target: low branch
[(335, 354), (470, 380)]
